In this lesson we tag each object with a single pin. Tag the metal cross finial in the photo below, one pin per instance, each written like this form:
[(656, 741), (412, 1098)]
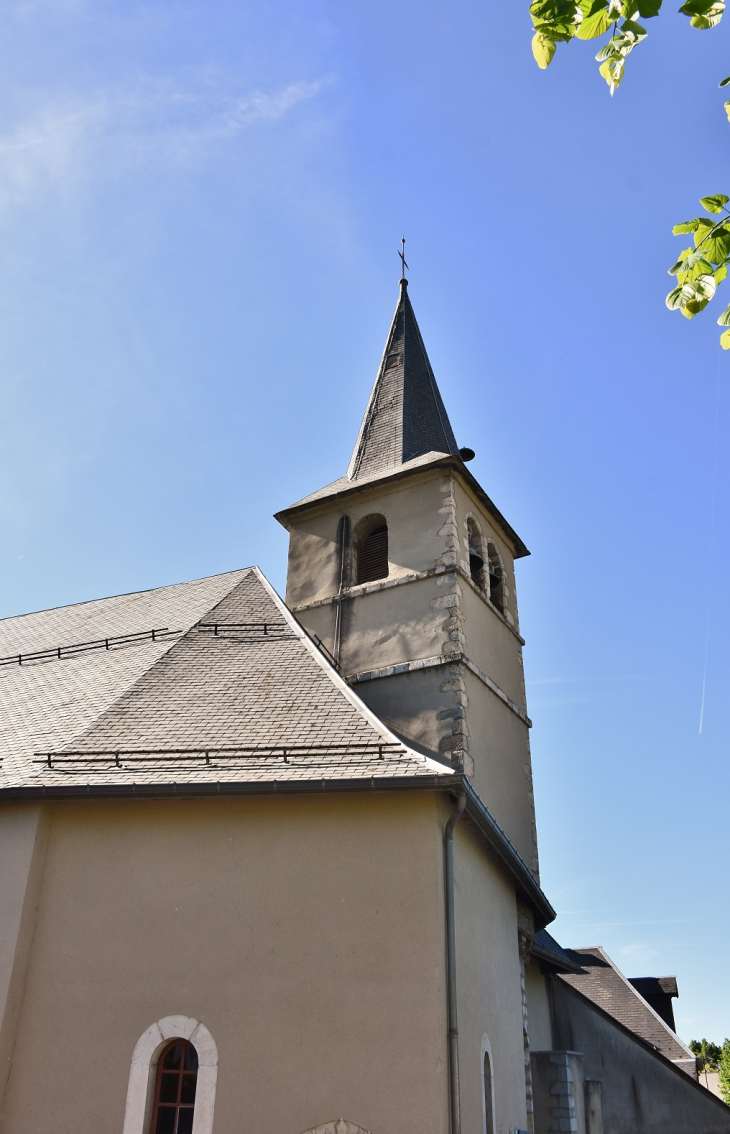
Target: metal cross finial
[(402, 254)]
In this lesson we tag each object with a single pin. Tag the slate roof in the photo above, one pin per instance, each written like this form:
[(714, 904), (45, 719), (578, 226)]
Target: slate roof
[(547, 949), (655, 985), (602, 982), (256, 688)]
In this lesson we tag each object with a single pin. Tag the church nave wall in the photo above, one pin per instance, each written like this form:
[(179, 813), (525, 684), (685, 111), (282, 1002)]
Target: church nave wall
[(305, 933)]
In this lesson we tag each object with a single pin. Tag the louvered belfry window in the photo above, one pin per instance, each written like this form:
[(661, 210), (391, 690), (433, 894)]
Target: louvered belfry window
[(372, 553)]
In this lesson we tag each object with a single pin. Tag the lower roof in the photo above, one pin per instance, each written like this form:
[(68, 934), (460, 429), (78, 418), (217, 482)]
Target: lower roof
[(206, 681), (600, 980)]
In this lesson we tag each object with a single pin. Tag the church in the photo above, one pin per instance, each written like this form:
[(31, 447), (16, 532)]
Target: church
[(271, 866)]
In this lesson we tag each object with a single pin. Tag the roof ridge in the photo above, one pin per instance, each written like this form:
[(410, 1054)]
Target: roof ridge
[(637, 994), (122, 594)]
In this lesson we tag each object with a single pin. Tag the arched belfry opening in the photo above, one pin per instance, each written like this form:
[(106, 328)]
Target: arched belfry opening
[(496, 578), (476, 553), (370, 549)]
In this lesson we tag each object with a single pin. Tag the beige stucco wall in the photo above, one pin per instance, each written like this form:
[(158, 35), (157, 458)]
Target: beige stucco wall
[(306, 933), (492, 645), (23, 831), (411, 704), (393, 625), (538, 1008), (499, 745), (490, 995), (411, 508)]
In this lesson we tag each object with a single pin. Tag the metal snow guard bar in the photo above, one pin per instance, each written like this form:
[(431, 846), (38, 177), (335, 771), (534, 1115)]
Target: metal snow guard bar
[(82, 647), (119, 756), (265, 627), (242, 627)]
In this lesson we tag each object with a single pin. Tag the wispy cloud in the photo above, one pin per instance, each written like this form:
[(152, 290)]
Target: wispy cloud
[(66, 140), (640, 954)]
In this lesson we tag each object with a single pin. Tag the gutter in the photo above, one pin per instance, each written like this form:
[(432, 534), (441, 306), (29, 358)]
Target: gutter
[(525, 883), (453, 1028)]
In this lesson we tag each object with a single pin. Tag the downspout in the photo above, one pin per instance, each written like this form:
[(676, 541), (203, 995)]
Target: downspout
[(343, 539), (453, 1033)]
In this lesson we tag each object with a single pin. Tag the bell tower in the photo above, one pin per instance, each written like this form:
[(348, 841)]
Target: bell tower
[(404, 569)]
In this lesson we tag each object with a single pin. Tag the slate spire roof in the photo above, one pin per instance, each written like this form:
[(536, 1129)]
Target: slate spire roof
[(405, 417)]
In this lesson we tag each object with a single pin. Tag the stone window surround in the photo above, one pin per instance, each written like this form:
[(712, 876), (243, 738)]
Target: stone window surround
[(142, 1073)]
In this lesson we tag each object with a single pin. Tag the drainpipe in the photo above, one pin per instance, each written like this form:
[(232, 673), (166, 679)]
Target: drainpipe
[(453, 1034), (343, 539)]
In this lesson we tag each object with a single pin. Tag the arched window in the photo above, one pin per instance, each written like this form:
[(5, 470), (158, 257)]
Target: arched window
[(488, 1095), (370, 545), (496, 578), (175, 1089), (476, 553), (169, 1090)]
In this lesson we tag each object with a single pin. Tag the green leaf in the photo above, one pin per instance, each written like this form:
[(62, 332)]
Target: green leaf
[(680, 296), (705, 287), (681, 264), (724, 320), (685, 226), (633, 29), (594, 25), (717, 246), (714, 203), (724, 82), (700, 267), (704, 226), (694, 307), (720, 273), (691, 265), (725, 340), (649, 8), (710, 20), (543, 49), (613, 71), (697, 7), (727, 109), (629, 9)]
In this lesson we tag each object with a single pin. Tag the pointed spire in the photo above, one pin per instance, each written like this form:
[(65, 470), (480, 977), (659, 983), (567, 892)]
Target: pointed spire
[(405, 416)]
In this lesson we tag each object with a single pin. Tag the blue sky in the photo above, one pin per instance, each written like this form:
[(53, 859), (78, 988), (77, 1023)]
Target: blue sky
[(200, 206)]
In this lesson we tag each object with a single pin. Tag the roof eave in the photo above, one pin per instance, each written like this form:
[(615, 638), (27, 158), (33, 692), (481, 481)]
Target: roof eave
[(526, 885)]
